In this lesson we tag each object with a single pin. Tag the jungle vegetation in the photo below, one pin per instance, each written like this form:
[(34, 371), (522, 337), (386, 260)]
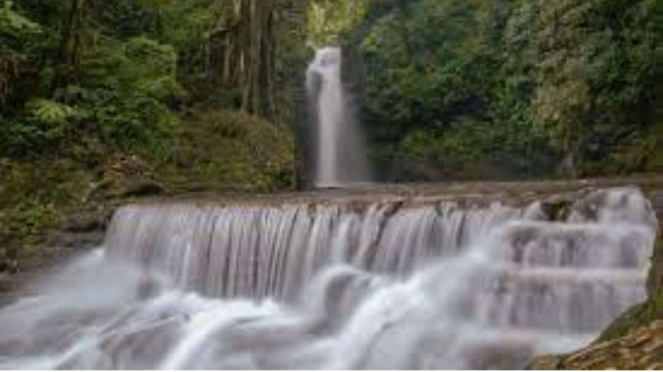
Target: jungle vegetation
[(510, 88)]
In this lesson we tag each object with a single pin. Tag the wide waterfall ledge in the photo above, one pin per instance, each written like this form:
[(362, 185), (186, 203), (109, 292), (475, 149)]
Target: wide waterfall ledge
[(403, 279)]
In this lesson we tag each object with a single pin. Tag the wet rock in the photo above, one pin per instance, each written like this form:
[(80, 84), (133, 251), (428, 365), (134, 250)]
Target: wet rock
[(655, 277), (640, 349), (78, 240), (85, 221), (656, 199), (546, 363), (110, 189), (499, 357), (101, 191), (143, 188), (557, 208)]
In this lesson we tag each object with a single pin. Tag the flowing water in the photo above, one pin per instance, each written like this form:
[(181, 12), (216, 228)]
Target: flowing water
[(340, 157), (334, 285)]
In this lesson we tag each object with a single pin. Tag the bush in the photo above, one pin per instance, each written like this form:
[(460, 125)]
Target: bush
[(224, 149), (16, 31), (43, 128), (139, 66), (129, 121), (20, 39)]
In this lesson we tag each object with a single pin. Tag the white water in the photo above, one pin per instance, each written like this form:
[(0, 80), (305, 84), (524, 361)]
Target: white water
[(338, 287), (339, 157)]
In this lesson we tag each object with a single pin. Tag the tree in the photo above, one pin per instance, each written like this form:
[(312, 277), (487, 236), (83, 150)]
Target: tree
[(75, 38), (241, 53)]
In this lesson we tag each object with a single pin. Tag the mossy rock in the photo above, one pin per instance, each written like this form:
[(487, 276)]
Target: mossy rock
[(655, 277), (637, 316)]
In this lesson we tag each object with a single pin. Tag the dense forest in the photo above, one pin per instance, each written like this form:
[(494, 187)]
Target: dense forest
[(511, 88), (101, 99)]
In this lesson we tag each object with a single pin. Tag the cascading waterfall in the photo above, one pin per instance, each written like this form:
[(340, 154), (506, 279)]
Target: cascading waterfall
[(340, 159), (339, 286)]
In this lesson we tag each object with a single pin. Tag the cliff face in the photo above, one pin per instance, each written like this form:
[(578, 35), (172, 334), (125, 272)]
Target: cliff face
[(635, 340)]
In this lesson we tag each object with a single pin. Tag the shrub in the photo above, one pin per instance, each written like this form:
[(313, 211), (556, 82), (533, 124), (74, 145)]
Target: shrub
[(45, 125)]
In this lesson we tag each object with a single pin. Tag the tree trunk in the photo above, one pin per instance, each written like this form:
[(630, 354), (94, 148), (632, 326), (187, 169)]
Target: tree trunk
[(257, 84), (241, 55), (74, 34)]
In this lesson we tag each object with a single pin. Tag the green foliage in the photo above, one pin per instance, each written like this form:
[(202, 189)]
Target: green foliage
[(14, 27), (47, 14), (190, 36), (130, 121), (50, 113), (539, 82), (27, 219), (32, 195), (592, 82), (292, 56), (138, 66), (127, 88), (330, 19), (223, 149), (122, 101), (119, 114), (45, 125), (20, 39), (471, 149)]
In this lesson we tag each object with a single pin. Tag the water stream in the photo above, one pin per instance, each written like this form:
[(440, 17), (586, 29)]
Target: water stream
[(334, 285), (340, 154)]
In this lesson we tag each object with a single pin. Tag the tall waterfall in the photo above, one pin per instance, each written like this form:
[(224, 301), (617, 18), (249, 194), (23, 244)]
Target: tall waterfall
[(339, 285), (340, 159)]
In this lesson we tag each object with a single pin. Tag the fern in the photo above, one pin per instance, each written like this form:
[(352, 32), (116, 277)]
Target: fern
[(15, 24), (50, 112)]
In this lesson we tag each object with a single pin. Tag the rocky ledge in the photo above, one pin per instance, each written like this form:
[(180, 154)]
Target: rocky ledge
[(640, 349)]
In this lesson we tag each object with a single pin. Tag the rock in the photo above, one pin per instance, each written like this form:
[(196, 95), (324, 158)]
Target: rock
[(641, 348), (656, 199), (110, 190), (85, 222), (78, 240), (100, 191), (655, 277), (557, 208), (143, 188), (546, 363)]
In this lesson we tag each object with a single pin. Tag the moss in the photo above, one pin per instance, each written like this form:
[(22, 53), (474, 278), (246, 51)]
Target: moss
[(31, 197), (637, 316), (224, 150)]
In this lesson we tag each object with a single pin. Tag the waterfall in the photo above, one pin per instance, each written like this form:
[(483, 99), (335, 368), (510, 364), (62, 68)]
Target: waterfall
[(340, 159), (339, 285)]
